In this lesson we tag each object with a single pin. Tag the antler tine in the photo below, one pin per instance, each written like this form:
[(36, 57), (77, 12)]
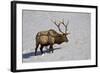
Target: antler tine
[(54, 22), (63, 22), (58, 25), (65, 25), (60, 30)]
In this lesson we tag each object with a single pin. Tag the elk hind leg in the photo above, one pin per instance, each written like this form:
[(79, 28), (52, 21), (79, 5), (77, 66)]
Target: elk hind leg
[(36, 48)]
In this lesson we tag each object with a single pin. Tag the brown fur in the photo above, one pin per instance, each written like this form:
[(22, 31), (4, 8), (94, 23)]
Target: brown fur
[(50, 37)]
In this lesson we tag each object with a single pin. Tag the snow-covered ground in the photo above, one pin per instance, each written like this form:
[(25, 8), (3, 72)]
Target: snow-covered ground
[(78, 47), (60, 54)]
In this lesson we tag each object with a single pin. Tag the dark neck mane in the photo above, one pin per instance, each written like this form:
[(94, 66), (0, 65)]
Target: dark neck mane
[(59, 39)]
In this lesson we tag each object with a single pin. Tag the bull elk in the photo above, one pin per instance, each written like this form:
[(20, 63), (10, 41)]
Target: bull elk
[(51, 37)]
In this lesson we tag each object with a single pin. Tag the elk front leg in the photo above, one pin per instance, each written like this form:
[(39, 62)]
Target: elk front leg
[(41, 49), (51, 48)]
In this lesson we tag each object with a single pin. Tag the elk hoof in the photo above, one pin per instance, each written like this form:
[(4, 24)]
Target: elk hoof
[(35, 54), (42, 55)]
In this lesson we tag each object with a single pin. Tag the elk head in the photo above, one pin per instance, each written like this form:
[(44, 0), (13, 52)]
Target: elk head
[(63, 34)]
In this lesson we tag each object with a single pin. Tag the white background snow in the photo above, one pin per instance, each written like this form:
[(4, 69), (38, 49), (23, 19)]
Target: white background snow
[(78, 47)]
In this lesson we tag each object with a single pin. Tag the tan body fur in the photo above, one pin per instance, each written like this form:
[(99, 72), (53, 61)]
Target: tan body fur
[(51, 37)]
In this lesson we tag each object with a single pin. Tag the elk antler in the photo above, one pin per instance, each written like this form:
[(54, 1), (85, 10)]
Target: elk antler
[(58, 25), (65, 25)]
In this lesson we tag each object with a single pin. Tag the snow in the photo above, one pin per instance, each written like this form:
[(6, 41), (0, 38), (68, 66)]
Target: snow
[(78, 47)]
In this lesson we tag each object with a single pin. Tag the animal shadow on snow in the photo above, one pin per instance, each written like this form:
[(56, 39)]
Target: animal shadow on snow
[(28, 55)]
